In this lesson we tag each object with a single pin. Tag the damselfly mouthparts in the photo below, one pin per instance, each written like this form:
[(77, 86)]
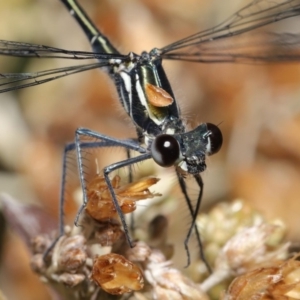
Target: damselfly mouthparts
[(147, 96)]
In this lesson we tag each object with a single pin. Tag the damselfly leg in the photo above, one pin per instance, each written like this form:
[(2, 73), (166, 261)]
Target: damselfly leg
[(194, 213), (129, 144)]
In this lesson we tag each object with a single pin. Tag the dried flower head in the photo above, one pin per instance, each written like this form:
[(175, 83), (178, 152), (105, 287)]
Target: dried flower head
[(249, 248), (100, 206), (116, 275), (166, 281), (222, 222), (95, 262), (245, 251), (70, 254), (68, 259), (76, 260), (281, 280), (107, 233)]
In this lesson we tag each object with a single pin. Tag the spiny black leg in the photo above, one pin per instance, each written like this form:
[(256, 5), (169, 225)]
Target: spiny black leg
[(132, 225), (114, 167), (61, 224), (127, 144)]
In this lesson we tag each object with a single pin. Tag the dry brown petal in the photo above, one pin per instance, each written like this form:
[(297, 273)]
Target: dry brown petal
[(100, 205), (100, 209), (136, 187), (116, 275), (279, 281)]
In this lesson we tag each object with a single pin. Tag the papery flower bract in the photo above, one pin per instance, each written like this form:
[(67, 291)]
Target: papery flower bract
[(116, 275), (100, 205), (281, 280)]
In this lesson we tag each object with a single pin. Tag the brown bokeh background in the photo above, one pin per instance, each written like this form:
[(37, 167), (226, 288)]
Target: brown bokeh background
[(257, 107)]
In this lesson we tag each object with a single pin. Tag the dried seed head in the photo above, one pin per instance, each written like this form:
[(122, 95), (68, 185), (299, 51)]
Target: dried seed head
[(107, 234), (278, 281), (70, 254), (168, 282), (223, 222), (249, 248), (37, 263), (71, 280), (116, 275), (245, 251), (140, 252), (40, 244), (174, 285), (100, 205)]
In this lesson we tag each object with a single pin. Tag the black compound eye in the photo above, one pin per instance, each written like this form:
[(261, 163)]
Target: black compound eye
[(165, 150), (215, 139)]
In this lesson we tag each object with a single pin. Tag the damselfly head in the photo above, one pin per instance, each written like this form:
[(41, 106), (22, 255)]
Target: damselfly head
[(206, 139), (187, 150)]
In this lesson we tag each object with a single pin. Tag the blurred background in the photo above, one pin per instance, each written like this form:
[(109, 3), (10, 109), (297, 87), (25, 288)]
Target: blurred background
[(257, 107)]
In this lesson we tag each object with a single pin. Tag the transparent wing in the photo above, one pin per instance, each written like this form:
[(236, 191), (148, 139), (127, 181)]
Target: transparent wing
[(257, 48), (18, 49), (229, 41), (15, 81)]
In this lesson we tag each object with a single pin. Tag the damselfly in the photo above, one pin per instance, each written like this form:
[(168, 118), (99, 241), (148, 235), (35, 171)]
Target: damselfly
[(147, 96)]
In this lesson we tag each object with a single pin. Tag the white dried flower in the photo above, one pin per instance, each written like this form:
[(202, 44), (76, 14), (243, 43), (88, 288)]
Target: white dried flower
[(246, 250)]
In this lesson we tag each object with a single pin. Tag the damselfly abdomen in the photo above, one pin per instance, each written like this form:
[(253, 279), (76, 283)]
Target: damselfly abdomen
[(260, 53)]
